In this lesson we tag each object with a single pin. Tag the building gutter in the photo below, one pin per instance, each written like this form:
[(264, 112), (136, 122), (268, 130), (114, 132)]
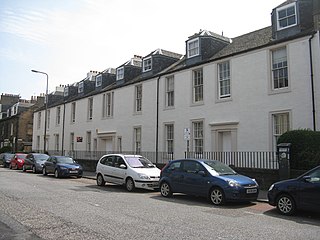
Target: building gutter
[(312, 85)]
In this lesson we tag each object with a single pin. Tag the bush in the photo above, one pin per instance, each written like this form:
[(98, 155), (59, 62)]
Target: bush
[(5, 149), (305, 148)]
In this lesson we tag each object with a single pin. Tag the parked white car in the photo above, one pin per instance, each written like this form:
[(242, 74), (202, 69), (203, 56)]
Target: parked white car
[(133, 171)]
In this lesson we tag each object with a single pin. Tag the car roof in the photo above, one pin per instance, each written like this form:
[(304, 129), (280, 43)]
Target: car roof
[(122, 155), (193, 159), (58, 156)]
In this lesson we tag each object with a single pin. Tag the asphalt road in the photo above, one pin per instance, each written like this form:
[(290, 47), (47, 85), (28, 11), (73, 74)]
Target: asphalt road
[(33, 205)]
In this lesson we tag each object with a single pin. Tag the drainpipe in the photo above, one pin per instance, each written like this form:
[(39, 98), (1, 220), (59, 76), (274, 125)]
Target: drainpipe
[(157, 120), (312, 85), (63, 121)]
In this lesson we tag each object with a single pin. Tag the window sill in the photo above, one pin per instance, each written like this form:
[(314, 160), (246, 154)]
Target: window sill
[(107, 117), (137, 113), (168, 108), (225, 99), (280, 90), (195, 104)]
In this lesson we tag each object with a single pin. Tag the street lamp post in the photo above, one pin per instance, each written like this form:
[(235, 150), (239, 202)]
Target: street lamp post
[(46, 110)]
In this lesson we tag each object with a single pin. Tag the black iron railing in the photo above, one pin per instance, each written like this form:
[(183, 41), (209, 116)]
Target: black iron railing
[(260, 160)]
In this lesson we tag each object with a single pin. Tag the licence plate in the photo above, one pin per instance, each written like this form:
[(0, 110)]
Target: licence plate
[(254, 190), (73, 172)]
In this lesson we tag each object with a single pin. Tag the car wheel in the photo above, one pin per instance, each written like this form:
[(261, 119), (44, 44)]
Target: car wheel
[(56, 173), (24, 168), (165, 189), (34, 170), (44, 171), (217, 196), (100, 180), (130, 185), (285, 204)]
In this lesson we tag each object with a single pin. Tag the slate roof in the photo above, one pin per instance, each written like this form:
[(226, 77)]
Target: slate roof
[(246, 42), (285, 3), (165, 53), (209, 34)]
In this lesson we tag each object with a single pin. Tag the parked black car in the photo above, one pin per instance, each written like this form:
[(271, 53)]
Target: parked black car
[(62, 166), (5, 159), (300, 193), (34, 162)]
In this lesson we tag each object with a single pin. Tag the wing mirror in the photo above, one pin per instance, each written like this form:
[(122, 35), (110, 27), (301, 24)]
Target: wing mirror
[(307, 178), (123, 166), (202, 173)]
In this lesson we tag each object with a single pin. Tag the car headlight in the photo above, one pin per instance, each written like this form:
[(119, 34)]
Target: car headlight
[(63, 168), (271, 187), (255, 181), (20, 161), (143, 176), (233, 183)]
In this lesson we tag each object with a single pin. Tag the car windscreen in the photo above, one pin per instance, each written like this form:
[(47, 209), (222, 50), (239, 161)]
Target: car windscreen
[(139, 162), (41, 157), (8, 156), (220, 167), (65, 160)]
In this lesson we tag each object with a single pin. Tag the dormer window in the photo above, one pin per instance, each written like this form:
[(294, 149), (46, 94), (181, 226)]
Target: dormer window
[(120, 73), (80, 87), (193, 47), (99, 81), (66, 92), (147, 64), (286, 16)]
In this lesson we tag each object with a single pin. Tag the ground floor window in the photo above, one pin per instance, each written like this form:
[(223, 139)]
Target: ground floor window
[(280, 125), (137, 139), (169, 135), (197, 130)]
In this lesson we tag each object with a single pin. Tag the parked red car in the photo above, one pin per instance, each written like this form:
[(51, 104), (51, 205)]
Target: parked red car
[(17, 161)]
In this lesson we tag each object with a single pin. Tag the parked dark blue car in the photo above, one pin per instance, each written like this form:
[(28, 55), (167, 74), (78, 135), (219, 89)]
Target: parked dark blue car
[(299, 193), (62, 166), (5, 159), (208, 178)]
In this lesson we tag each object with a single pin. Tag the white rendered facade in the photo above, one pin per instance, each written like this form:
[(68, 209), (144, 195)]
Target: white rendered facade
[(246, 113)]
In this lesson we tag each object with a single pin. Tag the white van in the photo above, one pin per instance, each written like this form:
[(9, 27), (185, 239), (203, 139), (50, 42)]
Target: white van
[(133, 171)]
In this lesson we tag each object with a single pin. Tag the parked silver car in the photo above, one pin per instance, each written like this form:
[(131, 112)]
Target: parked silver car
[(133, 171), (34, 162)]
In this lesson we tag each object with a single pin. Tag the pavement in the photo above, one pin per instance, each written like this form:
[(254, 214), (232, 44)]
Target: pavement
[(263, 195)]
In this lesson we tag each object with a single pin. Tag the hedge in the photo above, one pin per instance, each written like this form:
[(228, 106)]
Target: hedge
[(305, 148)]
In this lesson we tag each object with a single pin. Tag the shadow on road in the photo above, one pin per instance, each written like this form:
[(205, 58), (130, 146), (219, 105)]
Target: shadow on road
[(201, 201), (301, 217)]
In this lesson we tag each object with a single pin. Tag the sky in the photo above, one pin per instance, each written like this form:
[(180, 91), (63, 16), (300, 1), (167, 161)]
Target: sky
[(68, 38)]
